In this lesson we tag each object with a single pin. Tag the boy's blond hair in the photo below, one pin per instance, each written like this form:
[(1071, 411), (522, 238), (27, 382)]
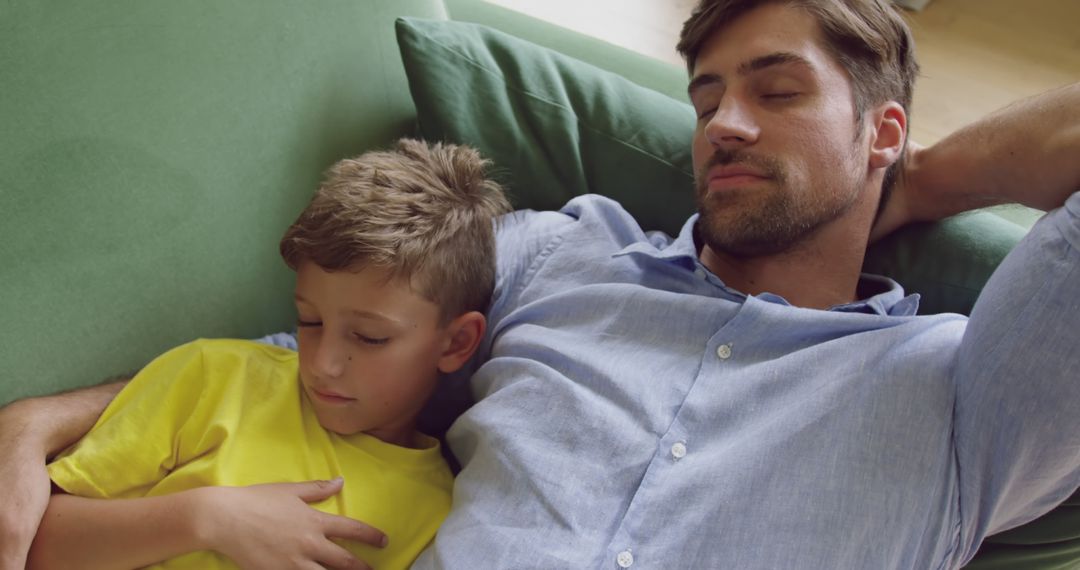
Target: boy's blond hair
[(424, 212)]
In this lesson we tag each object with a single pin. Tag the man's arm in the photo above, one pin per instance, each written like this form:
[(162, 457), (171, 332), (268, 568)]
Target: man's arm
[(1025, 153), (262, 526), (1017, 368), (1017, 377), (31, 431)]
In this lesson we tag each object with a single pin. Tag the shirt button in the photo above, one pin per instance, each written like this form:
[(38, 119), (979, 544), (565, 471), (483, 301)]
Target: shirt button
[(625, 559), (678, 451), (724, 351)]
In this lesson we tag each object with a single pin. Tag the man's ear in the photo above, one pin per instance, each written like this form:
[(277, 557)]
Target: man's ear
[(463, 337), (889, 122)]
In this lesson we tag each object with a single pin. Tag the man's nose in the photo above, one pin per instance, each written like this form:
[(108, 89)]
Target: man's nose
[(732, 126)]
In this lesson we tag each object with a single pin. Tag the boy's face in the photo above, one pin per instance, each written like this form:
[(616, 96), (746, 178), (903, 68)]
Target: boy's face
[(370, 350)]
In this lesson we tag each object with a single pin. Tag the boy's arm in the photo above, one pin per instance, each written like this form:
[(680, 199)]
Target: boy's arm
[(1025, 153), (34, 429), (263, 526), (30, 431), (77, 532)]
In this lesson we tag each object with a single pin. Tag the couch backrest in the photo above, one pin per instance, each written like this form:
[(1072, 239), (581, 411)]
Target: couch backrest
[(152, 154)]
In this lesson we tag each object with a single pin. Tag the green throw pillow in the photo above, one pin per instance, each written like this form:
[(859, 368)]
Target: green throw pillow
[(555, 127)]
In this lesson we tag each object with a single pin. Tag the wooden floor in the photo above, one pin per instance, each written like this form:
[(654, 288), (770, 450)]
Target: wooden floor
[(976, 55)]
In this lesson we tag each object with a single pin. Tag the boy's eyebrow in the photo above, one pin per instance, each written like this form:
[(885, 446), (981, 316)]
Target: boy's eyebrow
[(372, 315), (357, 312), (748, 67)]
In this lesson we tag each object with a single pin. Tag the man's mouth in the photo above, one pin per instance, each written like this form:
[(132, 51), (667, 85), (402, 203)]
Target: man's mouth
[(721, 178)]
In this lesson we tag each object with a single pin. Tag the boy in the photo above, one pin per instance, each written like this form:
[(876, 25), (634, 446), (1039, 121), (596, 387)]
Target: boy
[(394, 259)]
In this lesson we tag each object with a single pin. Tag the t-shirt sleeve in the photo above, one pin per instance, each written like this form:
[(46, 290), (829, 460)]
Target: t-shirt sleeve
[(135, 442), (1017, 430)]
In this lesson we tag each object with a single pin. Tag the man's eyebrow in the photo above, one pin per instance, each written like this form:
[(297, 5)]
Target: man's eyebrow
[(703, 80), (748, 67), (773, 59)]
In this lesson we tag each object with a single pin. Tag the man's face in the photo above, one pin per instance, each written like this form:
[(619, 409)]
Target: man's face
[(369, 350), (775, 149)]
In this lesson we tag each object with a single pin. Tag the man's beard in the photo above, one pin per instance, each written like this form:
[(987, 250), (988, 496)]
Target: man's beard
[(771, 220)]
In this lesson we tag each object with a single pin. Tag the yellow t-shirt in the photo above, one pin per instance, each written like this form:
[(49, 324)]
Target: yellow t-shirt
[(229, 412)]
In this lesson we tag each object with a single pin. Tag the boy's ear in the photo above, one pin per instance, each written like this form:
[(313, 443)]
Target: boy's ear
[(464, 336), (889, 122)]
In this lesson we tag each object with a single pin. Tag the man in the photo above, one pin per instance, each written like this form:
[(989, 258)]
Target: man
[(739, 396)]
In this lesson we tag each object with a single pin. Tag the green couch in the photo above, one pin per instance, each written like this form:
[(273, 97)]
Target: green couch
[(153, 152)]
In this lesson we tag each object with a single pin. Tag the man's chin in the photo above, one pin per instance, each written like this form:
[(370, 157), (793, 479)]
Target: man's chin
[(744, 239), (724, 199), (749, 248)]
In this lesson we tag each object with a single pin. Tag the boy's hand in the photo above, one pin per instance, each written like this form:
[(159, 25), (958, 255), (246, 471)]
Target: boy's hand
[(272, 526), (24, 489)]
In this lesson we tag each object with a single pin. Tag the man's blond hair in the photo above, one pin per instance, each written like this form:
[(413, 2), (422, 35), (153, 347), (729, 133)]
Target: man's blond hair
[(423, 212)]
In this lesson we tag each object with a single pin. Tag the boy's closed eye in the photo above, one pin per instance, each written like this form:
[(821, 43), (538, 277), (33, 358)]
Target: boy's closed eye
[(374, 341), (366, 339)]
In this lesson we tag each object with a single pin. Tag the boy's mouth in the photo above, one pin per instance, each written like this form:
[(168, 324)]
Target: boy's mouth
[(331, 397)]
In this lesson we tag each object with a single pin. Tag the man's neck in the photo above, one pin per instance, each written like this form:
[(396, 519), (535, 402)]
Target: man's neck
[(821, 272)]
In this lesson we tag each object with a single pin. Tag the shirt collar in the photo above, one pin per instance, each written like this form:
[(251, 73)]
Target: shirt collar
[(878, 294), (682, 250)]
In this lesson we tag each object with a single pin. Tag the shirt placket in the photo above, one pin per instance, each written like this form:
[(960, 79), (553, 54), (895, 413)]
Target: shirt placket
[(718, 366)]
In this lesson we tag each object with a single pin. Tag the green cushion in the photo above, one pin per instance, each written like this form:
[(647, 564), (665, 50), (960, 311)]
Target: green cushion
[(947, 263), (152, 154), (643, 70), (1051, 542), (556, 127)]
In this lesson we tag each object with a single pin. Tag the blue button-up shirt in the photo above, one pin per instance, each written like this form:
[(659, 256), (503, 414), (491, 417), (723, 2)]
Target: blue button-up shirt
[(633, 411)]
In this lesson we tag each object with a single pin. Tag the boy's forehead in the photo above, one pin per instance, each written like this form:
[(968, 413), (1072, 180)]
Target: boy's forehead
[(372, 293)]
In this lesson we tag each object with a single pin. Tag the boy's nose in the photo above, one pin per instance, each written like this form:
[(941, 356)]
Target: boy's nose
[(329, 360)]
